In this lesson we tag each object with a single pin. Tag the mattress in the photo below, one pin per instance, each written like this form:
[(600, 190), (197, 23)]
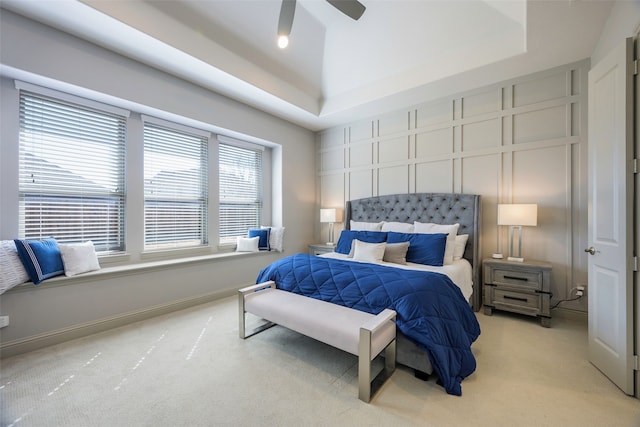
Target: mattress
[(460, 272)]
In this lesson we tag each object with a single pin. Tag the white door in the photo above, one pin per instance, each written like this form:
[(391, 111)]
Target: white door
[(610, 237)]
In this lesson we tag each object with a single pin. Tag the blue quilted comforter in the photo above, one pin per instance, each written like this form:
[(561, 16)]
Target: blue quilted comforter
[(431, 310)]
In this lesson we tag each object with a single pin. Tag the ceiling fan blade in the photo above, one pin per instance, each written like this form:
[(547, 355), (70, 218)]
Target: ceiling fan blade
[(286, 17), (352, 8)]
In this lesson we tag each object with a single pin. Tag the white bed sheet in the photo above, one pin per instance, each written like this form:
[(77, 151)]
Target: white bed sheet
[(460, 272)]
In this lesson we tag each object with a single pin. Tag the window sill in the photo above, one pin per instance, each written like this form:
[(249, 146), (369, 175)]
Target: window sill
[(132, 269)]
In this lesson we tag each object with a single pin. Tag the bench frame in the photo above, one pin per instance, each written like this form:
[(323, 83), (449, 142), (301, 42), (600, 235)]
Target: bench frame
[(367, 386)]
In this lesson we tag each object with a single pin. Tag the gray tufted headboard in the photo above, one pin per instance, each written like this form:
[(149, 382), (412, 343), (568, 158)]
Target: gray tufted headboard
[(439, 208)]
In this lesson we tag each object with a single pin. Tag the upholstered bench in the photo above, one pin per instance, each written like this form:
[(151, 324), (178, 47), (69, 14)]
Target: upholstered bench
[(363, 334)]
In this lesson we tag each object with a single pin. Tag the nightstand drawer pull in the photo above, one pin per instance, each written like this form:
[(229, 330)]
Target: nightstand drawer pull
[(524, 279), (515, 298)]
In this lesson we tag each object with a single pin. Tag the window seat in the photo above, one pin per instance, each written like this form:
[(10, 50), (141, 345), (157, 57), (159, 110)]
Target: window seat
[(63, 308), (132, 269)]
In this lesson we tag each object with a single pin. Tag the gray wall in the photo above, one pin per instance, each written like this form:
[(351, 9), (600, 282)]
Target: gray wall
[(508, 149), (520, 141), (60, 310)]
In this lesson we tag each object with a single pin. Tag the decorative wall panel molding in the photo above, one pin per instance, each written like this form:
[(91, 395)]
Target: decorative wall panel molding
[(520, 141)]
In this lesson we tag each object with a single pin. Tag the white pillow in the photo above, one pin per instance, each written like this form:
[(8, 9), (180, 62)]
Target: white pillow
[(368, 252), (365, 226), (450, 229), (397, 227), (458, 249), (353, 247), (12, 271), (248, 244), (78, 258), (276, 238)]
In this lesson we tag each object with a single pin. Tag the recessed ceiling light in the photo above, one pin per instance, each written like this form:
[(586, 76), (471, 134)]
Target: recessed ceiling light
[(283, 41)]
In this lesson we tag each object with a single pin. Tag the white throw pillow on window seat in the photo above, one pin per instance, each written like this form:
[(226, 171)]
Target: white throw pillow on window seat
[(78, 258), (248, 244)]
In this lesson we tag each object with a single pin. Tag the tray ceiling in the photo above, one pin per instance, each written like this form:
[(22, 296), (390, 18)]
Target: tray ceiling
[(335, 69)]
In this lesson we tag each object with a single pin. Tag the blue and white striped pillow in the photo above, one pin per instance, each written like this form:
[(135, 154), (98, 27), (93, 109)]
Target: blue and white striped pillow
[(41, 258)]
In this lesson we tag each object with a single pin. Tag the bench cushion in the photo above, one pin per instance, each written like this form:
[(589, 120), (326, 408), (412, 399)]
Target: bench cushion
[(332, 324)]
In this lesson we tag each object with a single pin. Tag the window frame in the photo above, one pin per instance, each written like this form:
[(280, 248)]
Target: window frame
[(134, 251), (107, 133), (258, 202), (187, 135)]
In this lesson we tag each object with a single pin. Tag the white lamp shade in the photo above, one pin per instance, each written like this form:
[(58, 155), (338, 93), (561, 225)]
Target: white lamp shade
[(330, 215), (518, 214)]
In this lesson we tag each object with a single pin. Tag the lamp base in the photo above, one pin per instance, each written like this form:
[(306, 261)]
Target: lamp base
[(515, 231)]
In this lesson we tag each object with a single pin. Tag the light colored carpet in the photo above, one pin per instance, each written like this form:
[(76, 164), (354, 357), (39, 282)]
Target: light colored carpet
[(189, 368)]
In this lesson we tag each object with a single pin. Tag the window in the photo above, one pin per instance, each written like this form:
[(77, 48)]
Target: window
[(71, 172), (88, 170), (175, 187), (240, 190)]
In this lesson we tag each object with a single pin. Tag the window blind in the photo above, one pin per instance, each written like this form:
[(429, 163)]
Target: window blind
[(175, 188), (71, 173), (240, 191)]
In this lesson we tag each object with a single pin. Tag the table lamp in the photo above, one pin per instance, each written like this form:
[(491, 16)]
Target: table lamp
[(517, 216), (330, 215)]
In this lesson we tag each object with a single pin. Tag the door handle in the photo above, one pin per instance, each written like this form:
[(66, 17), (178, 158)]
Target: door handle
[(591, 250)]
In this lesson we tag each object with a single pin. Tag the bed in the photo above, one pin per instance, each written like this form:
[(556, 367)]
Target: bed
[(438, 208)]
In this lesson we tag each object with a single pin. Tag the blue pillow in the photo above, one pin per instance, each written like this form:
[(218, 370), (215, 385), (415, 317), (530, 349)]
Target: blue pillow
[(427, 249), (263, 233), (347, 236), (41, 258)]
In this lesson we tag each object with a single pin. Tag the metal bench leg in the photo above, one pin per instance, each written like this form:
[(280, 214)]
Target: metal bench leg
[(242, 331), (367, 387), (364, 366), (390, 358), (241, 312)]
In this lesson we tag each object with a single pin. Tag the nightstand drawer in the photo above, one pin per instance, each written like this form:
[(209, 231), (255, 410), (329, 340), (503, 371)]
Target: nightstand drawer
[(517, 301), (518, 279)]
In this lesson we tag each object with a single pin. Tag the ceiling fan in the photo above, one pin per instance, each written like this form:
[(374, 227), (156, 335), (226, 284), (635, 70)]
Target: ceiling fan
[(352, 8)]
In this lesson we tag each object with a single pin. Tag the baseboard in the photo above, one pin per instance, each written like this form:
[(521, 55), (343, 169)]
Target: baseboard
[(567, 313), (23, 345)]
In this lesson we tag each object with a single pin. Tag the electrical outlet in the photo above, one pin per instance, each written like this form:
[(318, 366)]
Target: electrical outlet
[(579, 291), (4, 321)]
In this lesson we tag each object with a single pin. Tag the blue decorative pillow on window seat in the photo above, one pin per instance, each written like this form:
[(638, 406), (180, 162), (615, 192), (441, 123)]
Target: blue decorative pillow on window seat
[(41, 258), (263, 234)]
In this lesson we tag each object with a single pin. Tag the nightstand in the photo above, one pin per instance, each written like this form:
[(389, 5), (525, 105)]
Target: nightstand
[(519, 287), (321, 248)]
